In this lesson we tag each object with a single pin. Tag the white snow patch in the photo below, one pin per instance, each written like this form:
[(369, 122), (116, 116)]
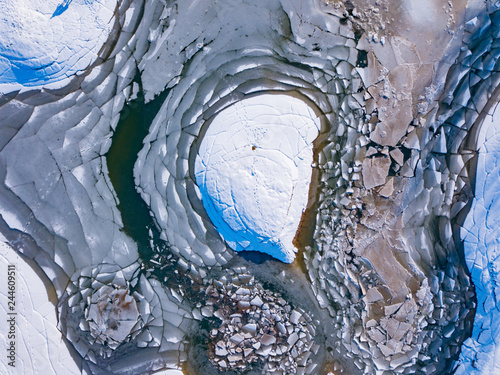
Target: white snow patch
[(39, 346), (47, 41), (253, 170)]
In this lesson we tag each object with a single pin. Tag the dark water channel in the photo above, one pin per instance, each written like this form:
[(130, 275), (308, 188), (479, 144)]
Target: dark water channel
[(135, 119)]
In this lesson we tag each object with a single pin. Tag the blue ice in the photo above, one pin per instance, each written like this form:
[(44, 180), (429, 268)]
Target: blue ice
[(43, 42), (481, 235)]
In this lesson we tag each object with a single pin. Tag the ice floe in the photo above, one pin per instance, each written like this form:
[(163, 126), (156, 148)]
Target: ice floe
[(47, 41), (253, 169)]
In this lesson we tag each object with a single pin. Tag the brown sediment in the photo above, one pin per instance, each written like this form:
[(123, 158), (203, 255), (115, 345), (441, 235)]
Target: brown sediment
[(307, 224), (333, 367)]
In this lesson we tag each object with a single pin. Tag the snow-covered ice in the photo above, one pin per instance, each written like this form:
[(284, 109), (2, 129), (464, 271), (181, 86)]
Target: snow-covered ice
[(481, 236), (223, 153), (47, 41), (254, 170), (40, 346)]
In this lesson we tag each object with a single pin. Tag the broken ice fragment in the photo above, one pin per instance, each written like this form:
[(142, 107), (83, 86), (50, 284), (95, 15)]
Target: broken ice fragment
[(253, 170)]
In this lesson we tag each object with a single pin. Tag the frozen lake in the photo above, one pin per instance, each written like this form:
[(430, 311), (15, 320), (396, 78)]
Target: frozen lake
[(274, 187)]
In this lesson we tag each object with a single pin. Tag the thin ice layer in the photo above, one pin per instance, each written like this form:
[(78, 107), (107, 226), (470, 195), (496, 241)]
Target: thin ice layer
[(254, 169)]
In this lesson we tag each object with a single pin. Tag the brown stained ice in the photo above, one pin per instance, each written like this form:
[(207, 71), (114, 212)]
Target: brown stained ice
[(375, 171), (111, 315)]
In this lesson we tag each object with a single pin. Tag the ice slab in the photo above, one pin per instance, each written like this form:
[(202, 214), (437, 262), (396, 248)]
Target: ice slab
[(253, 170), (39, 344), (481, 249), (46, 41)]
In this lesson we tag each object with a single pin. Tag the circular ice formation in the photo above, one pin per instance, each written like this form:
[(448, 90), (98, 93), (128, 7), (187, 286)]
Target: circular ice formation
[(46, 41), (112, 315), (253, 170)]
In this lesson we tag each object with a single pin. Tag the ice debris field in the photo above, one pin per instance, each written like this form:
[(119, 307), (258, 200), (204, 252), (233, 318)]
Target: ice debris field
[(147, 146)]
